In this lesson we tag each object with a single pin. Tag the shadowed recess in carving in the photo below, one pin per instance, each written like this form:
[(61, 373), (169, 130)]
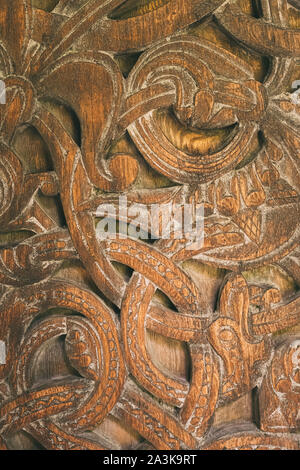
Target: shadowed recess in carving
[(118, 434), (51, 363), (14, 238), (193, 141), (66, 116), (147, 176), (23, 440), (211, 31), (32, 150), (127, 61), (177, 360), (136, 8), (47, 5)]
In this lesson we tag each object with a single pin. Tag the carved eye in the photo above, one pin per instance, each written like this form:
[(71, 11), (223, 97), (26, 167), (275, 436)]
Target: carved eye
[(228, 337)]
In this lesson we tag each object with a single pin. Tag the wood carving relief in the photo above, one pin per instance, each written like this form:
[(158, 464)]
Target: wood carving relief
[(162, 102)]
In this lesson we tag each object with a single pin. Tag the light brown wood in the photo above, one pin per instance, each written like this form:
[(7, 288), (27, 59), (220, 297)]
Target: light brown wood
[(122, 342)]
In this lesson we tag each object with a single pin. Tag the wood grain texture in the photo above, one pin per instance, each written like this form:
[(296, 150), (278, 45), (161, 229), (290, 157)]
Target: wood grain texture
[(124, 342)]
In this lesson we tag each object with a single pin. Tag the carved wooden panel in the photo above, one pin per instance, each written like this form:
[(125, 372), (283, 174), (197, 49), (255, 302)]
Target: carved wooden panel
[(111, 340)]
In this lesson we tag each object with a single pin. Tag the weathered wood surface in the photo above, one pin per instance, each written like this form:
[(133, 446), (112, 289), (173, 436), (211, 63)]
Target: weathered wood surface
[(116, 343)]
